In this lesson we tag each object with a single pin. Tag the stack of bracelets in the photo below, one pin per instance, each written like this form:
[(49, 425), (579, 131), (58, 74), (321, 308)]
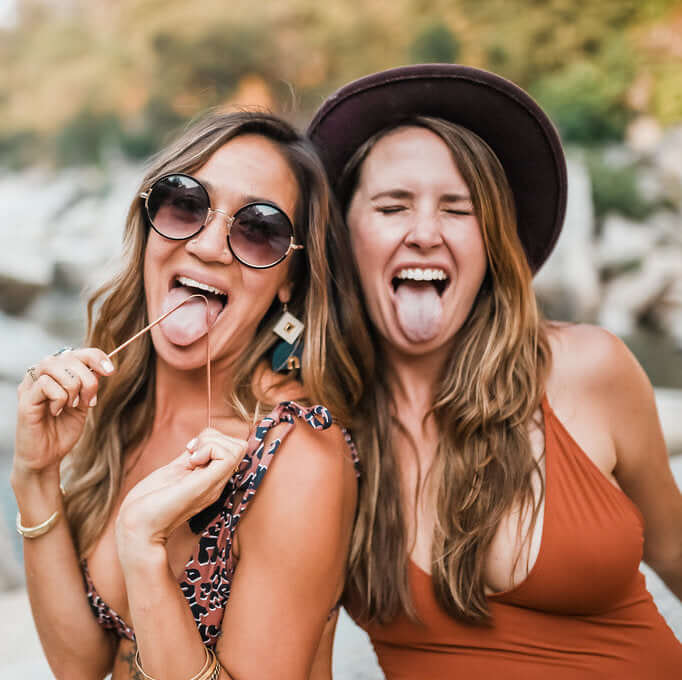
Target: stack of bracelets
[(210, 671)]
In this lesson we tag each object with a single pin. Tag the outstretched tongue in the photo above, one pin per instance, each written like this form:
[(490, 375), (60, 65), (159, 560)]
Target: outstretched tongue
[(191, 321), (420, 311)]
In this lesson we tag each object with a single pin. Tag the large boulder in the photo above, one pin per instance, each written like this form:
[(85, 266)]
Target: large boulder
[(568, 284), (631, 297), (624, 243)]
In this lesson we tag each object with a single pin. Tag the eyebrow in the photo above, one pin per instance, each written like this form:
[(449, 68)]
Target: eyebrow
[(403, 193), (455, 198)]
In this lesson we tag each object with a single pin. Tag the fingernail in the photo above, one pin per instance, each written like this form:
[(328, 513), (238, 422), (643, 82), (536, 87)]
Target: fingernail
[(192, 443), (93, 401), (76, 401), (107, 365), (58, 412)]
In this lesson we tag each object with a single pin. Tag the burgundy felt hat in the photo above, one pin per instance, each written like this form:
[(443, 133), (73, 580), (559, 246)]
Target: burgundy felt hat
[(521, 135)]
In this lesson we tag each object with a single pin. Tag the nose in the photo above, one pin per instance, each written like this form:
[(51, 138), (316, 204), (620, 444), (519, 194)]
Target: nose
[(210, 244), (425, 231)]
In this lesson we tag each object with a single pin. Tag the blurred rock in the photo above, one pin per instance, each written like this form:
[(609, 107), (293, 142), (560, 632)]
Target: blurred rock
[(568, 285), (11, 574), (24, 273), (669, 404), (667, 314), (624, 242), (633, 296), (669, 226), (60, 313), (23, 343), (668, 161), (643, 134), (8, 410)]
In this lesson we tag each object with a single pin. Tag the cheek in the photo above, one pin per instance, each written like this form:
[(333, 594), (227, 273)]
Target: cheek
[(470, 248), (369, 245)]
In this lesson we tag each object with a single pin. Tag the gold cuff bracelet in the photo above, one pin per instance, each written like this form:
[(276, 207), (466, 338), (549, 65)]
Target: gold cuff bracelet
[(38, 529)]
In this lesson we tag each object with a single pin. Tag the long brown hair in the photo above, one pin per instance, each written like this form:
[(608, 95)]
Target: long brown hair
[(322, 297), (489, 393)]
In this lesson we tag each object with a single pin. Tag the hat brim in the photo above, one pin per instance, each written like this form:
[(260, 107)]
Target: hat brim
[(517, 130)]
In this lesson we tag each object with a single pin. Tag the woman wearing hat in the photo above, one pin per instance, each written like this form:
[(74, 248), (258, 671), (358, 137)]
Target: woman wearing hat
[(514, 470)]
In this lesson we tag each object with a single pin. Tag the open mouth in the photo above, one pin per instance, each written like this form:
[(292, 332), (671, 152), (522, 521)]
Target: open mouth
[(197, 287), (422, 277)]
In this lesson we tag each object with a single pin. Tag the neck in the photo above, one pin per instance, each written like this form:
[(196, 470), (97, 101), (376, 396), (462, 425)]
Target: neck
[(182, 396), (413, 379)]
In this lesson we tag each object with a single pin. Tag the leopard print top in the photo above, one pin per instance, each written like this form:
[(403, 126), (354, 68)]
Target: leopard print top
[(207, 579)]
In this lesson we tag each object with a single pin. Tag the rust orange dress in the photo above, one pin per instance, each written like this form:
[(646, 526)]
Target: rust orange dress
[(582, 612)]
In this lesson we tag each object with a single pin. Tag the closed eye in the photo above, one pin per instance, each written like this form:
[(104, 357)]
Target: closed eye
[(390, 209), (458, 212)]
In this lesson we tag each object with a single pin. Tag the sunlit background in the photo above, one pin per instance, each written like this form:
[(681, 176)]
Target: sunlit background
[(89, 89)]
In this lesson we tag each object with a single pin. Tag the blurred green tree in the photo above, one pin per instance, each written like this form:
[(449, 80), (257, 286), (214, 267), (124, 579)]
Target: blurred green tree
[(435, 43)]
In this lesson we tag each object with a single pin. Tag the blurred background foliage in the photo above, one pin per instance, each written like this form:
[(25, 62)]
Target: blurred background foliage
[(81, 79)]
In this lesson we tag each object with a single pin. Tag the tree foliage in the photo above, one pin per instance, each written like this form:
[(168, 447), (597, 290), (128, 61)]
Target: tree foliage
[(79, 76)]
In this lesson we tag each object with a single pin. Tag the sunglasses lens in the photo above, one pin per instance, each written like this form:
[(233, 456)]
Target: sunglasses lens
[(177, 206), (260, 234)]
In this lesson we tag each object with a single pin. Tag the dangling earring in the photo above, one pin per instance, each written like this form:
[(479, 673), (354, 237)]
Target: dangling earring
[(287, 352), (288, 327)]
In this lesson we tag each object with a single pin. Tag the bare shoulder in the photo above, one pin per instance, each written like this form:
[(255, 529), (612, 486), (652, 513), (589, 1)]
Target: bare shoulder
[(310, 481), (592, 361), (315, 458), (301, 519)]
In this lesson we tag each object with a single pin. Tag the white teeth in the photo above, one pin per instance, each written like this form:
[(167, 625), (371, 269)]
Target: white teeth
[(186, 281), (418, 274)]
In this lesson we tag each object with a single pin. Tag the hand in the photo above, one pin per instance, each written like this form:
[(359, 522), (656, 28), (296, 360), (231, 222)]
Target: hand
[(54, 398), (172, 494)]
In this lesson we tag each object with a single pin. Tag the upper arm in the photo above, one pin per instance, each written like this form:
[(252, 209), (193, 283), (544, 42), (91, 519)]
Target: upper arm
[(642, 468), (293, 545)]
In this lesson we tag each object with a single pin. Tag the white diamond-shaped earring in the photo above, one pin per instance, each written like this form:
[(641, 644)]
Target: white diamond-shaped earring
[(288, 327)]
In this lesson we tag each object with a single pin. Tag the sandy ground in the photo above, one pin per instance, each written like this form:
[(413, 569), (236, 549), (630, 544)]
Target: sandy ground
[(21, 657)]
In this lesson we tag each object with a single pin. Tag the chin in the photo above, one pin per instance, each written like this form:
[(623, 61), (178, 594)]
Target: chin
[(181, 357)]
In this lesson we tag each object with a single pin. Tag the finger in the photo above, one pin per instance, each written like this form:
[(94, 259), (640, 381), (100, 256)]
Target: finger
[(89, 382), (213, 451), (61, 372), (211, 435), (200, 456), (47, 389), (95, 359)]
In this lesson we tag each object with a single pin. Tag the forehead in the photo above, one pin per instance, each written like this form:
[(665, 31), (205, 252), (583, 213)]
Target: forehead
[(411, 153), (251, 166)]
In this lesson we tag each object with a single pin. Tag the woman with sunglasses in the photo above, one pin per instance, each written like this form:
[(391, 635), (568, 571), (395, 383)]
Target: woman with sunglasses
[(514, 471), (164, 520)]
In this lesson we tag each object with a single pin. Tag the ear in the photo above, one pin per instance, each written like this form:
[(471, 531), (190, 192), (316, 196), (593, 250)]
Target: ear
[(284, 292)]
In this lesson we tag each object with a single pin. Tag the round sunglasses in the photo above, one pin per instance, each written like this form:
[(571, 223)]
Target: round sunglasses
[(259, 234)]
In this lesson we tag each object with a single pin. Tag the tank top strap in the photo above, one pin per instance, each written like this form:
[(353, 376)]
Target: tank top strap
[(243, 485), (260, 453)]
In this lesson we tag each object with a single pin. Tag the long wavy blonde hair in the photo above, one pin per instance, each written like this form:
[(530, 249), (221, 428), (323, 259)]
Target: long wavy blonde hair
[(332, 374), (483, 406)]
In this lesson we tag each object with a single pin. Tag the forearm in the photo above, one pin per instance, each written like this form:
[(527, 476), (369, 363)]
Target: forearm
[(169, 643), (75, 645)]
